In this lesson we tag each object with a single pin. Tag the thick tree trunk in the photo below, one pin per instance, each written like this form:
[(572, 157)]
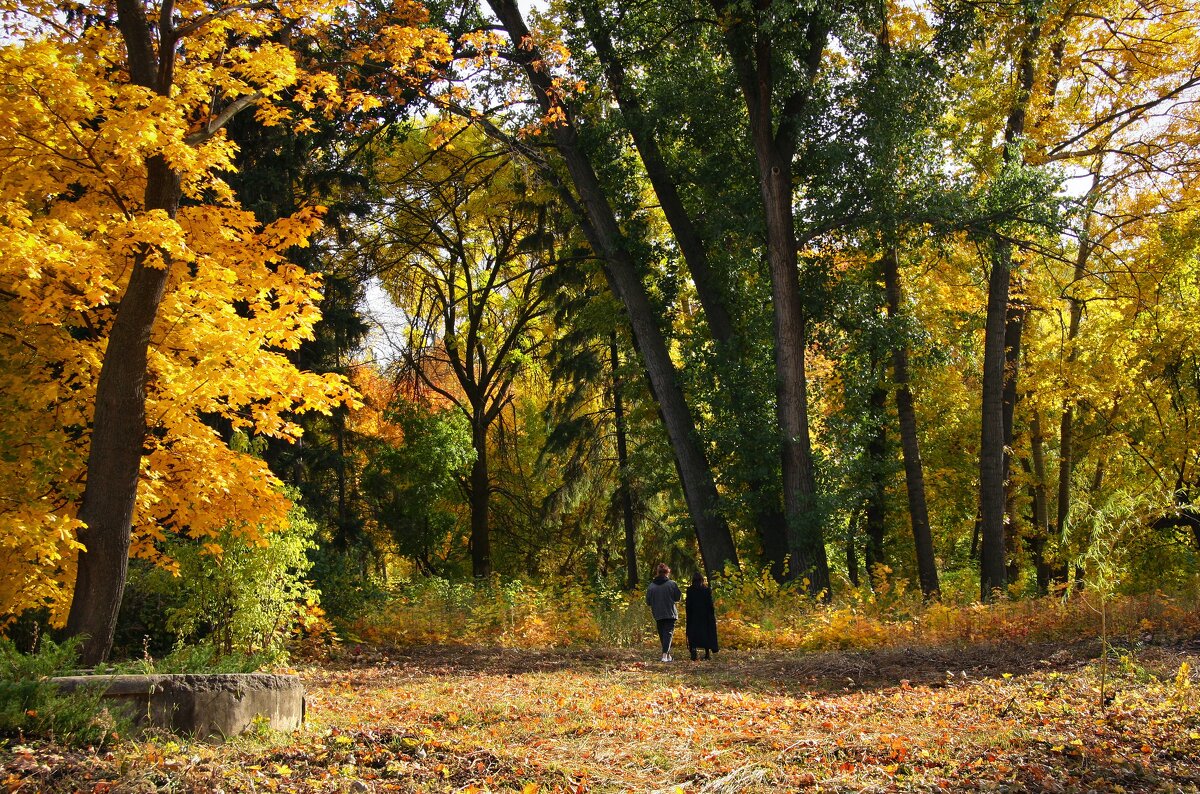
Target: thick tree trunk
[(752, 51), (118, 437), (805, 542), (914, 473), (599, 224), (769, 518), (480, 490), (624, 485)]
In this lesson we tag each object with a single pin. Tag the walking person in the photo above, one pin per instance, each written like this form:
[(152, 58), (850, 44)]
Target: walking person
[(662, 595), (701, 623)]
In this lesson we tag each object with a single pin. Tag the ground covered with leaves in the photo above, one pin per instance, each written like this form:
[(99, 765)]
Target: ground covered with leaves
[(994, 718)]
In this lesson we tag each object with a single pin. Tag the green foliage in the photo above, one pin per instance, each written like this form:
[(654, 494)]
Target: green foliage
[(235, 603), (30, 705), (247, 597), (408, 485)]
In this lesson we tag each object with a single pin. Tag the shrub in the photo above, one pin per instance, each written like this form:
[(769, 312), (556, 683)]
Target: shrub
[(30, 705), (245, 596)]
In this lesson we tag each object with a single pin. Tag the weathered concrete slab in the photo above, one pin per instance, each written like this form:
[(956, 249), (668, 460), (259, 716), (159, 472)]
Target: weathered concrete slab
[(205, 706)]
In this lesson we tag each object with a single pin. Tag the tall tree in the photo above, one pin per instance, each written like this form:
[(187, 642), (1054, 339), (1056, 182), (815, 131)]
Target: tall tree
[(750, 35), (173, 101), (462, 240), (604, 234)]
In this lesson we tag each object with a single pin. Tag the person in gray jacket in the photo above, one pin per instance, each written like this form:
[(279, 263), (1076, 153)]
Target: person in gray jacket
[(662, 595)]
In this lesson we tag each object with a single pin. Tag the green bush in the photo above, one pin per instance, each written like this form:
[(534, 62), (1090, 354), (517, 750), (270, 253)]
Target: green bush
[(30, 705), (250, 598)]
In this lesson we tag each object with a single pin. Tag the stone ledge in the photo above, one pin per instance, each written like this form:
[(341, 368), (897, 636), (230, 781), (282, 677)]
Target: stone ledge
[(205, 706)]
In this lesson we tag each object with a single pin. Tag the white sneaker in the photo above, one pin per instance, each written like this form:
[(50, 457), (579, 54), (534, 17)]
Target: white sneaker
[(666, 658), (669, 659)]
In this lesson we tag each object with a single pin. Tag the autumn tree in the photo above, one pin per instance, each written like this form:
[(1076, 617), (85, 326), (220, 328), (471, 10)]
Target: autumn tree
[(124, 108), (462, 240)]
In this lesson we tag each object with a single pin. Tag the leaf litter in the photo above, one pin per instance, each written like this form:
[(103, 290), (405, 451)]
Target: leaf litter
[(979, 718)]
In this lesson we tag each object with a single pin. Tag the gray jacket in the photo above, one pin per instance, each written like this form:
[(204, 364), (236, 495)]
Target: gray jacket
[(662, 595)]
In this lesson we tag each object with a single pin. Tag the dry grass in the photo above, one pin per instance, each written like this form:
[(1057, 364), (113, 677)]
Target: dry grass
[(1009, 717)]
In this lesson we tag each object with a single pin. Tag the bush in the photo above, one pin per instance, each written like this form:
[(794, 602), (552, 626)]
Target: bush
[(30, 705), (231, 596), (247, 597)]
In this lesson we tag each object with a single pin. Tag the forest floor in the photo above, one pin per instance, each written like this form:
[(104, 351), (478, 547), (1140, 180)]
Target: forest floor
[(981, 718)]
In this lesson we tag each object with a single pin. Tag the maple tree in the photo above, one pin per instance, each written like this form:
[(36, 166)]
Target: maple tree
[(135, 273)]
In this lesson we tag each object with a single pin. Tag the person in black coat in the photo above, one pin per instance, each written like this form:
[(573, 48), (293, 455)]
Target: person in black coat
[(701, 618)]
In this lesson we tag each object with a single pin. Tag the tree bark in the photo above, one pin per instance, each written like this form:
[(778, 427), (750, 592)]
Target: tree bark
[(600, 226), (624, 485), (119, 420), (1013, 331), (769, 518), (992, 456), (876, 506), (914, 473), (1066, 425), (1036, 466), (481, 539), (118, 437), (752, 51)]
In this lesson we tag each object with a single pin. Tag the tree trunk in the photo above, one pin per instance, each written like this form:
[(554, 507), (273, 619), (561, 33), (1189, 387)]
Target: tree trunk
[(876, 507), (752, 51), (768, 517), (118, 437), (600, 226), (1066, 426), (992, 463), (625, 486), (1036, 466), (480, 488), (851, 553), (914, 473), (1014, 328), (993, 575), (805, 542)]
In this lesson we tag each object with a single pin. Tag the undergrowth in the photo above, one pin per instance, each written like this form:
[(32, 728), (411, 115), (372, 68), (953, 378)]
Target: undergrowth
[(754, 611), (31, 705)]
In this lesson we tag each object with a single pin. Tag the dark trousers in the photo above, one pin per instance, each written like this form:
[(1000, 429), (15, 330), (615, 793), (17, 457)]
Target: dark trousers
[(666, 631)]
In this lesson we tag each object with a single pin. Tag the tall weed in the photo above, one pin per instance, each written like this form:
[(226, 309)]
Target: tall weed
[(753, 611)]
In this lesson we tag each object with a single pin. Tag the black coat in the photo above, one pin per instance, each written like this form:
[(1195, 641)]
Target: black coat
[(701, 618)]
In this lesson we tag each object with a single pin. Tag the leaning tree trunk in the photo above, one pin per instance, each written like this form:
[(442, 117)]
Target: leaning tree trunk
[(118, 436), (119, 420), (768, 515), (600, 226)]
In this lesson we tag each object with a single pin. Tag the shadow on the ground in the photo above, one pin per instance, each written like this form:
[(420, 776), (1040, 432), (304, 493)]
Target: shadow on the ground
[(783, 672)]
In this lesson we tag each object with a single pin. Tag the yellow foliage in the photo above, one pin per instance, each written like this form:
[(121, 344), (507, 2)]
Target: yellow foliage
[(75, 138)]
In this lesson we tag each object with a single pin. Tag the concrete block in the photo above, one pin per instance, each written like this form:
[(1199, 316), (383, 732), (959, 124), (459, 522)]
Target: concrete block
[(205, 706)]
